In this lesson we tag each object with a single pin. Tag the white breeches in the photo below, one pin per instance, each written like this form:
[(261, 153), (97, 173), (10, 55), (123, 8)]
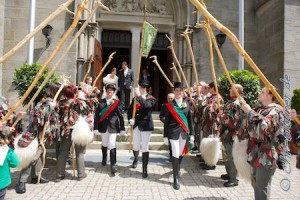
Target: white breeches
[(141, 138), (109, 140), (177, 146)]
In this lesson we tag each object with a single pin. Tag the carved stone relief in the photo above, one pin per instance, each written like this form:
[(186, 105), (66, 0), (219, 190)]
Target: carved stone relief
[(154, 6)]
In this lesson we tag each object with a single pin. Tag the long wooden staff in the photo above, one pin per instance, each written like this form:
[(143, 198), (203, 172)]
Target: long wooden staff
[(160, 69), (103, 68), (201, 8), (185, 34), (50, 18), (89, 68), (212, 36), (80, 9), (65, 81), (176, 72), (211, 59), (171, 47), (136, 84), (84, 25)]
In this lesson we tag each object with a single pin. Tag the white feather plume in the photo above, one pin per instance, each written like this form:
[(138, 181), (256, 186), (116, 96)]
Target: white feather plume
[(210, 150), (82, 134), (26, 155), (239, 153)]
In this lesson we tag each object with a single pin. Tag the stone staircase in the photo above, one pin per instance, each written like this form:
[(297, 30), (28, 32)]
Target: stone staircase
[(156, 141)]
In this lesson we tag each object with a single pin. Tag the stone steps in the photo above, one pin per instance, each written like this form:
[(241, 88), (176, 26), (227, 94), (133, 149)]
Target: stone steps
[(156, 141), (125, 145)]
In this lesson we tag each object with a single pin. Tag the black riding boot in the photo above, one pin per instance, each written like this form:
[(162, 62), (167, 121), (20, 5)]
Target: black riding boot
[(104, 155), (176, 185), (145, 159), (20, 188), (180, 160), (113, 160), (136, 157)]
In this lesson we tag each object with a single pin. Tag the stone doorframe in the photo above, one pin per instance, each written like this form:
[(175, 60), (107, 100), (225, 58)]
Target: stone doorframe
[(169, 16)]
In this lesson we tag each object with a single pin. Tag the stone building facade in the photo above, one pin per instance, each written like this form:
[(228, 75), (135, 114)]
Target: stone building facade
[(271, 38)]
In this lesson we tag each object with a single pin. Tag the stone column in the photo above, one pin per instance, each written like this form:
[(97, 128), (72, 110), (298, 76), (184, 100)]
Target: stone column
[(135, 48), (188, 73), (91, 40), (80, 74), (81, 55)]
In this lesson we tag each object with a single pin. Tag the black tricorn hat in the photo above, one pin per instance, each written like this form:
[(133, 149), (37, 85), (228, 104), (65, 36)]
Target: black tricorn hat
[(110, 86), (178, 85), (144, 83)]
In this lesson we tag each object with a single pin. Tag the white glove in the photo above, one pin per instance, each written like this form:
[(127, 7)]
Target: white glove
[(122, 132), (166, 141), (131, 122), (96, 132), (137, 91), (192, 139)]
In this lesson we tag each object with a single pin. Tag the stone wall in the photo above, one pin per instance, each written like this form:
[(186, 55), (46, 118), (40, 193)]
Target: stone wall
[(2, 9), (292, 43), (226, 12), (16, 27), (270, 42)]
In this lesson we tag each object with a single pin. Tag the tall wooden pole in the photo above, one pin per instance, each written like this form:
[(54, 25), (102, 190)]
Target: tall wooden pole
[(89, 69), (81, 8), (201, 8), (211, 59), (171, 47), (188, 42), (65, 81), (103, 68), (137, 77), (162, 71), (176, 72), (49, 19), (84, 25)]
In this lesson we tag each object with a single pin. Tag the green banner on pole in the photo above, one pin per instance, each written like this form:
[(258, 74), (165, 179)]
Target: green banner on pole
[(149, 38)]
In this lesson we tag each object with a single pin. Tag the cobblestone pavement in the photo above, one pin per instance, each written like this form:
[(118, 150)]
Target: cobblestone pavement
[(129, 184)]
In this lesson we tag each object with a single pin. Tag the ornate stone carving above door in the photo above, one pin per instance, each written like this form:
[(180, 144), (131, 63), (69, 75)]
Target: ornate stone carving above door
[(159, 7)]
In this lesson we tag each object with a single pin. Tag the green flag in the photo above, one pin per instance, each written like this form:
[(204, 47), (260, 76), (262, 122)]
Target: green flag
[(149, 38)]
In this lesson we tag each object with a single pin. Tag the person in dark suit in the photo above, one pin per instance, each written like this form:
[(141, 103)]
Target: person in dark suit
[(178, 125), (109, 121), (146, 76), (162, 117), (142, 123), (125, 83)]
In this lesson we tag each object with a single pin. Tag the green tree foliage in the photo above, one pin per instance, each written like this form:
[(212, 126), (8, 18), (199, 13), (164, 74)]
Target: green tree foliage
[(247, 79), (295, 103), (24, 76)]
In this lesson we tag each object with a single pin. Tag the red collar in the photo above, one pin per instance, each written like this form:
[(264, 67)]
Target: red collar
[(233, 98)]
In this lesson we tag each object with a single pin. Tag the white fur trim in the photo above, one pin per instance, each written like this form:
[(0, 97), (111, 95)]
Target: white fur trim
[(26, 155), (239, 153), (210, 150), (82, 134)]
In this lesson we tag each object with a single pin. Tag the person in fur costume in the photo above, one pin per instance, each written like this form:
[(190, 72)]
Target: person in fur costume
[(142, 124), (231, 120), (265, 143), (27, 143), (210, 122), (71, 111), (296, 135), (108, 122), (177, 128)]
